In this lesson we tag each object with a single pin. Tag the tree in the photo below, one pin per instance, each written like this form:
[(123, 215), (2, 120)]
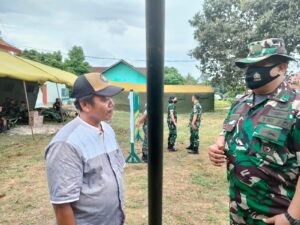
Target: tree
[(189, 79), (224, 28), (54, 59), (75, 63), (172, 76)]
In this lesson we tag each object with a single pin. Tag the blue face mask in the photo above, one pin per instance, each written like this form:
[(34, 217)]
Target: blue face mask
[(257, 76)]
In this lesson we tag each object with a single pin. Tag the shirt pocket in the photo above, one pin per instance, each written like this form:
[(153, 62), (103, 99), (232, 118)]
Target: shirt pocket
[(269, 144)]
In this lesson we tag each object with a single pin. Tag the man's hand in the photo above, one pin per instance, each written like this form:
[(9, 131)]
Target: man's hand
[(216, 152), (173, 118), (277, 220), (193, 126)]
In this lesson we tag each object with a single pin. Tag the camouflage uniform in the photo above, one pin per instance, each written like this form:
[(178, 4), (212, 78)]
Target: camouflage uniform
[(262, 145), (145, 141), (172, 128), (12, 111), (194, 138), (263, 153), (23, 113)]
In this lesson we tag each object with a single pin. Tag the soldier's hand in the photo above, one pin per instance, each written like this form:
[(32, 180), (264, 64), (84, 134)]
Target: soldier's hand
[(221, 142), (277, 220), (193, 126), (216, 152)]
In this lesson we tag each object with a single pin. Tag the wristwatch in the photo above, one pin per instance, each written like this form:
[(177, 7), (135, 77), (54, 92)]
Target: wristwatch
[(292, 220)]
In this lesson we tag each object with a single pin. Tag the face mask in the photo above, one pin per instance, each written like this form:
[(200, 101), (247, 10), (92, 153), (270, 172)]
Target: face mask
[(257, 76)]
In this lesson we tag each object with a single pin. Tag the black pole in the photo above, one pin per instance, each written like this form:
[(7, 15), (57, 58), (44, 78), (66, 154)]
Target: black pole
[(155, 24)]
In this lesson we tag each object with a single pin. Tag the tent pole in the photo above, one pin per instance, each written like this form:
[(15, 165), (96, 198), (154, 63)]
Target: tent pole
[(27, 103), (155, 25), (61, 113)]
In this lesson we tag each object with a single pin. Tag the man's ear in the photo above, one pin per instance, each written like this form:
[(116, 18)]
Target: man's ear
[(279, 70), (282, 68), (85, 106)]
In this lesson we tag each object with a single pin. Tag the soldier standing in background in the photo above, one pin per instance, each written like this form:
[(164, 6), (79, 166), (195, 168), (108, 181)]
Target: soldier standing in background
[(261, 141), (172, 123), (195, 120), (144, 121)]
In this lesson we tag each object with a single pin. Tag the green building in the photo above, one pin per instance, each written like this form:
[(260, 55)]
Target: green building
[(123, 72)]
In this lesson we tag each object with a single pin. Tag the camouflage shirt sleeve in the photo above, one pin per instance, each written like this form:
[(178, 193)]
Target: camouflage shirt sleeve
[(200, 109), (296, 138), (195, 109), (296, 127)]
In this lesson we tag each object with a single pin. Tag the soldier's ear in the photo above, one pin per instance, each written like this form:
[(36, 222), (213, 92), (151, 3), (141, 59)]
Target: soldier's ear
[(282, 68), (279, 70)]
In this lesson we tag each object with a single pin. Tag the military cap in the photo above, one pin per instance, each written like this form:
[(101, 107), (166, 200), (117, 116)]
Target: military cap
[(172, 97), (261, 50)]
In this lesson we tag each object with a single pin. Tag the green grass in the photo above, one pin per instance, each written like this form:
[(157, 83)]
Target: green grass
[(195, 192), (221, 104)]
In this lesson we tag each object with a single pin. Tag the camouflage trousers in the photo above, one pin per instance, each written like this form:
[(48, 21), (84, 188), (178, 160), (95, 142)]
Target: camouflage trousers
[(172, 134), (145, 142), (194, 138)]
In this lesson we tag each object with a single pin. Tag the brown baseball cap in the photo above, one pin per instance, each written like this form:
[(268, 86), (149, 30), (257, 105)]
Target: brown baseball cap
[(94, 83)]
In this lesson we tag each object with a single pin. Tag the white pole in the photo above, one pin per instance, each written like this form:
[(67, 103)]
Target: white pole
[(27, 103), (131, 117)]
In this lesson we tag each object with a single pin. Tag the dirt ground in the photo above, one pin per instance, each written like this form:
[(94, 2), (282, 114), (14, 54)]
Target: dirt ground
[(26, 130)]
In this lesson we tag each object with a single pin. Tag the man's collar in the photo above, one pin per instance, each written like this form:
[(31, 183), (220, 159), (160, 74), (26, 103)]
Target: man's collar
[(282, 93), (95, 129)]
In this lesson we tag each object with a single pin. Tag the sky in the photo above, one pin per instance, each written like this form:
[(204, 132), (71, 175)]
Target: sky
[(103, 28)]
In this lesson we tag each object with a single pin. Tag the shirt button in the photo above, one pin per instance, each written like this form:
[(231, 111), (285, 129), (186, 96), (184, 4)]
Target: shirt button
[(266, 149)]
